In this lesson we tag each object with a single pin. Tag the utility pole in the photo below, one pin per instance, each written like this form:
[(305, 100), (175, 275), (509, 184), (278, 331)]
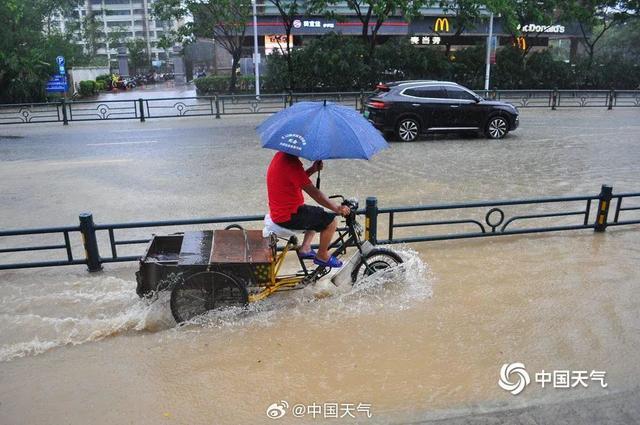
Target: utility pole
[(256, 53), (487, 70)]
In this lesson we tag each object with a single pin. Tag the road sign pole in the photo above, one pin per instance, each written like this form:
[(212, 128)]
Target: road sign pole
[(256, 52)]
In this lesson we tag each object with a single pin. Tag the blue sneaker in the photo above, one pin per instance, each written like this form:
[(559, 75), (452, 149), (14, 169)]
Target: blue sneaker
[(332, 262)]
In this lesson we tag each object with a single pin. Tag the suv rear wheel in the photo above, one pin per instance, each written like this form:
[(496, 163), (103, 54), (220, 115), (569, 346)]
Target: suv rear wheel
[(408, 129), (497, 127)]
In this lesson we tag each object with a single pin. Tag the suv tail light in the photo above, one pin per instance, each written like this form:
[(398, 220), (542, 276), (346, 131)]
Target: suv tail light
[(378, 104)]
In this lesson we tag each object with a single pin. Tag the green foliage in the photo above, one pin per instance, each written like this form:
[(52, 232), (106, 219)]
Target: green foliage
[(219, 84), (28, 48), (87, 88), (104, 78), (101, 85), (336, 63), (138, 57)]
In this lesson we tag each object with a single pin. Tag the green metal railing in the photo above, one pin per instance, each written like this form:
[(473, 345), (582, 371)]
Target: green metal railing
[(217, 106), (489, 219)]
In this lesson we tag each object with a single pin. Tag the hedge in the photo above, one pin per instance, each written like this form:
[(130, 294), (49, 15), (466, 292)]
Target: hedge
[(87, 88), (219, 84)]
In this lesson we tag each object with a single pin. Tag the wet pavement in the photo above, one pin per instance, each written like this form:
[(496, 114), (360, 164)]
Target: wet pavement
[(424, 348), (192, 167)]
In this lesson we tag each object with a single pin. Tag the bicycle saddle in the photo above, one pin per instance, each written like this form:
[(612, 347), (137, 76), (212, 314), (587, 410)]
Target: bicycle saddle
[(271, 228)]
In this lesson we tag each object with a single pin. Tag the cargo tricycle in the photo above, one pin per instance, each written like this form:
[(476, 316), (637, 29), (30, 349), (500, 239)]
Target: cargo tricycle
[(213, 269)]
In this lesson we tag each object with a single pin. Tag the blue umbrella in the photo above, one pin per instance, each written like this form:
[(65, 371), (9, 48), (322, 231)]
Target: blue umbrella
[(321, 130)]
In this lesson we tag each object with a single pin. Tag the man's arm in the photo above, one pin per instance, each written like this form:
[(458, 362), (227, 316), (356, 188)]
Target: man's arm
[(323, 200), (315, 167)]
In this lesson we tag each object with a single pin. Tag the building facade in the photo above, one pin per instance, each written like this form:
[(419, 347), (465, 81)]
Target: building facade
[(132, 19)]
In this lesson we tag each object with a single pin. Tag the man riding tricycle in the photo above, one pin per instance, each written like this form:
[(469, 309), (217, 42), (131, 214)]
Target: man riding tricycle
[(208, 270)]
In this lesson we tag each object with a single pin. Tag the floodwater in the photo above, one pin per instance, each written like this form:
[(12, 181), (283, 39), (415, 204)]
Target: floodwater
[(425, 341)]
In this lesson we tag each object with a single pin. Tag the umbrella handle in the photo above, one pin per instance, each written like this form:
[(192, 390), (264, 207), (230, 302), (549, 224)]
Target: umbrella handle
[(318, 180)]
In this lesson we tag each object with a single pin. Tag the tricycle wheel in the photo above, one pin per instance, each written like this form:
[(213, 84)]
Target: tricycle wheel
[(378, 259), (206, 291)]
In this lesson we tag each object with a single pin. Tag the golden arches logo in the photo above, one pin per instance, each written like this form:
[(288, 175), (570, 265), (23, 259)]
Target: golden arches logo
[(442, 24), (521, 42)]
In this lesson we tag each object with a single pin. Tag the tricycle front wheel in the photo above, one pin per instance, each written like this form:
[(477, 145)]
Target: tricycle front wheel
[(206, 291), (376, 260)]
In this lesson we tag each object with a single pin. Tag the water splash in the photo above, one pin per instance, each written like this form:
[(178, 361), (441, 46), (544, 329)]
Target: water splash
[(74, 312), (391, 290), (39, 317)]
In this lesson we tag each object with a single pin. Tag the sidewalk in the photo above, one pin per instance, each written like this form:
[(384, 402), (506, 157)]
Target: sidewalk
[(619, 408)]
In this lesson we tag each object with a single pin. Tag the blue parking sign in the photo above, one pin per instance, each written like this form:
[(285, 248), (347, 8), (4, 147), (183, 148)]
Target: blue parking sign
[(60, 62), (57, 84)]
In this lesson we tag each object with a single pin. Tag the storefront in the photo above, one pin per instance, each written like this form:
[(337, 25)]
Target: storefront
[(425, 31)]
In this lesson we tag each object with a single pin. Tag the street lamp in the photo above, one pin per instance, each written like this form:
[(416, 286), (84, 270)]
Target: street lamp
[(256, 53), (487, 70)]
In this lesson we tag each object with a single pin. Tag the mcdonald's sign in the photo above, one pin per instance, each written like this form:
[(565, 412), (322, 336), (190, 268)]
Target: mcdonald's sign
[(441, 25), (521, 42)]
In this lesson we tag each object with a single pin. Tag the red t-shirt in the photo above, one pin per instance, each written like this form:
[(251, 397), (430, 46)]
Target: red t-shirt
[(285, 178)]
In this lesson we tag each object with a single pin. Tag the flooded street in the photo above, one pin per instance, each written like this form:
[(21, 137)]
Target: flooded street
[(425, 342)]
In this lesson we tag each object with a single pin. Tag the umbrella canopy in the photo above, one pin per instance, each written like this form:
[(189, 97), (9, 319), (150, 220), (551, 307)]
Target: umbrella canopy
[(321, 130)]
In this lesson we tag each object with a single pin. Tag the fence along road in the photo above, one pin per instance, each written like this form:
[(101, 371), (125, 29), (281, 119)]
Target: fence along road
[(175, 107), (591, 212)]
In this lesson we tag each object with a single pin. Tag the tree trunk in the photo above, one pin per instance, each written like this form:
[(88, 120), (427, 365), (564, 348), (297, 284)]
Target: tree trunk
[(234, 66), (290, 76)]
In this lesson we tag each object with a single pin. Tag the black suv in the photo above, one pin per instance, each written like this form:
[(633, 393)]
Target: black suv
[(410, 108)]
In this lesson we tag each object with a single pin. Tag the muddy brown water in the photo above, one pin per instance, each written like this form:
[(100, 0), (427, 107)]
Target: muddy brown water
[(428, 340)]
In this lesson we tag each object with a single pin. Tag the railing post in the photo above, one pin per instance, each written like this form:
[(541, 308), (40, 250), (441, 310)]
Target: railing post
[(217, 107), (361, 101), (605, 196), (371, 220), (63, 105), (90, 242), (611, 95), (141, 105), (554, 99), (290, 98)]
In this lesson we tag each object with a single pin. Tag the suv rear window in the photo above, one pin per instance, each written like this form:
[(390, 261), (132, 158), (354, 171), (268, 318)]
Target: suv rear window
[(432, 92), (458, 93)]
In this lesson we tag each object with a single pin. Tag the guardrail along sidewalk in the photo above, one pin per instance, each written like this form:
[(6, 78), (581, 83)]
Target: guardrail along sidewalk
[(216, 106), (99, 243)]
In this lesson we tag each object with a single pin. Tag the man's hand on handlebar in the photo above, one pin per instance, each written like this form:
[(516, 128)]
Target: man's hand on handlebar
[(344, 210)]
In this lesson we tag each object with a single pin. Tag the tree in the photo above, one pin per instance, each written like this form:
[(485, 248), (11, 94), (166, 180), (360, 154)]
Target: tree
[(373, 13), (597, 17), (623, 41), (27, 52), (138, 57), (223, 20), (289, 10), (516, 14), (91, 31), (466, 12)]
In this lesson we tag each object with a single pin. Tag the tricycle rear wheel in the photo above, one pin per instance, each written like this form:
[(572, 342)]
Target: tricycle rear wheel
[(206, 291)]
